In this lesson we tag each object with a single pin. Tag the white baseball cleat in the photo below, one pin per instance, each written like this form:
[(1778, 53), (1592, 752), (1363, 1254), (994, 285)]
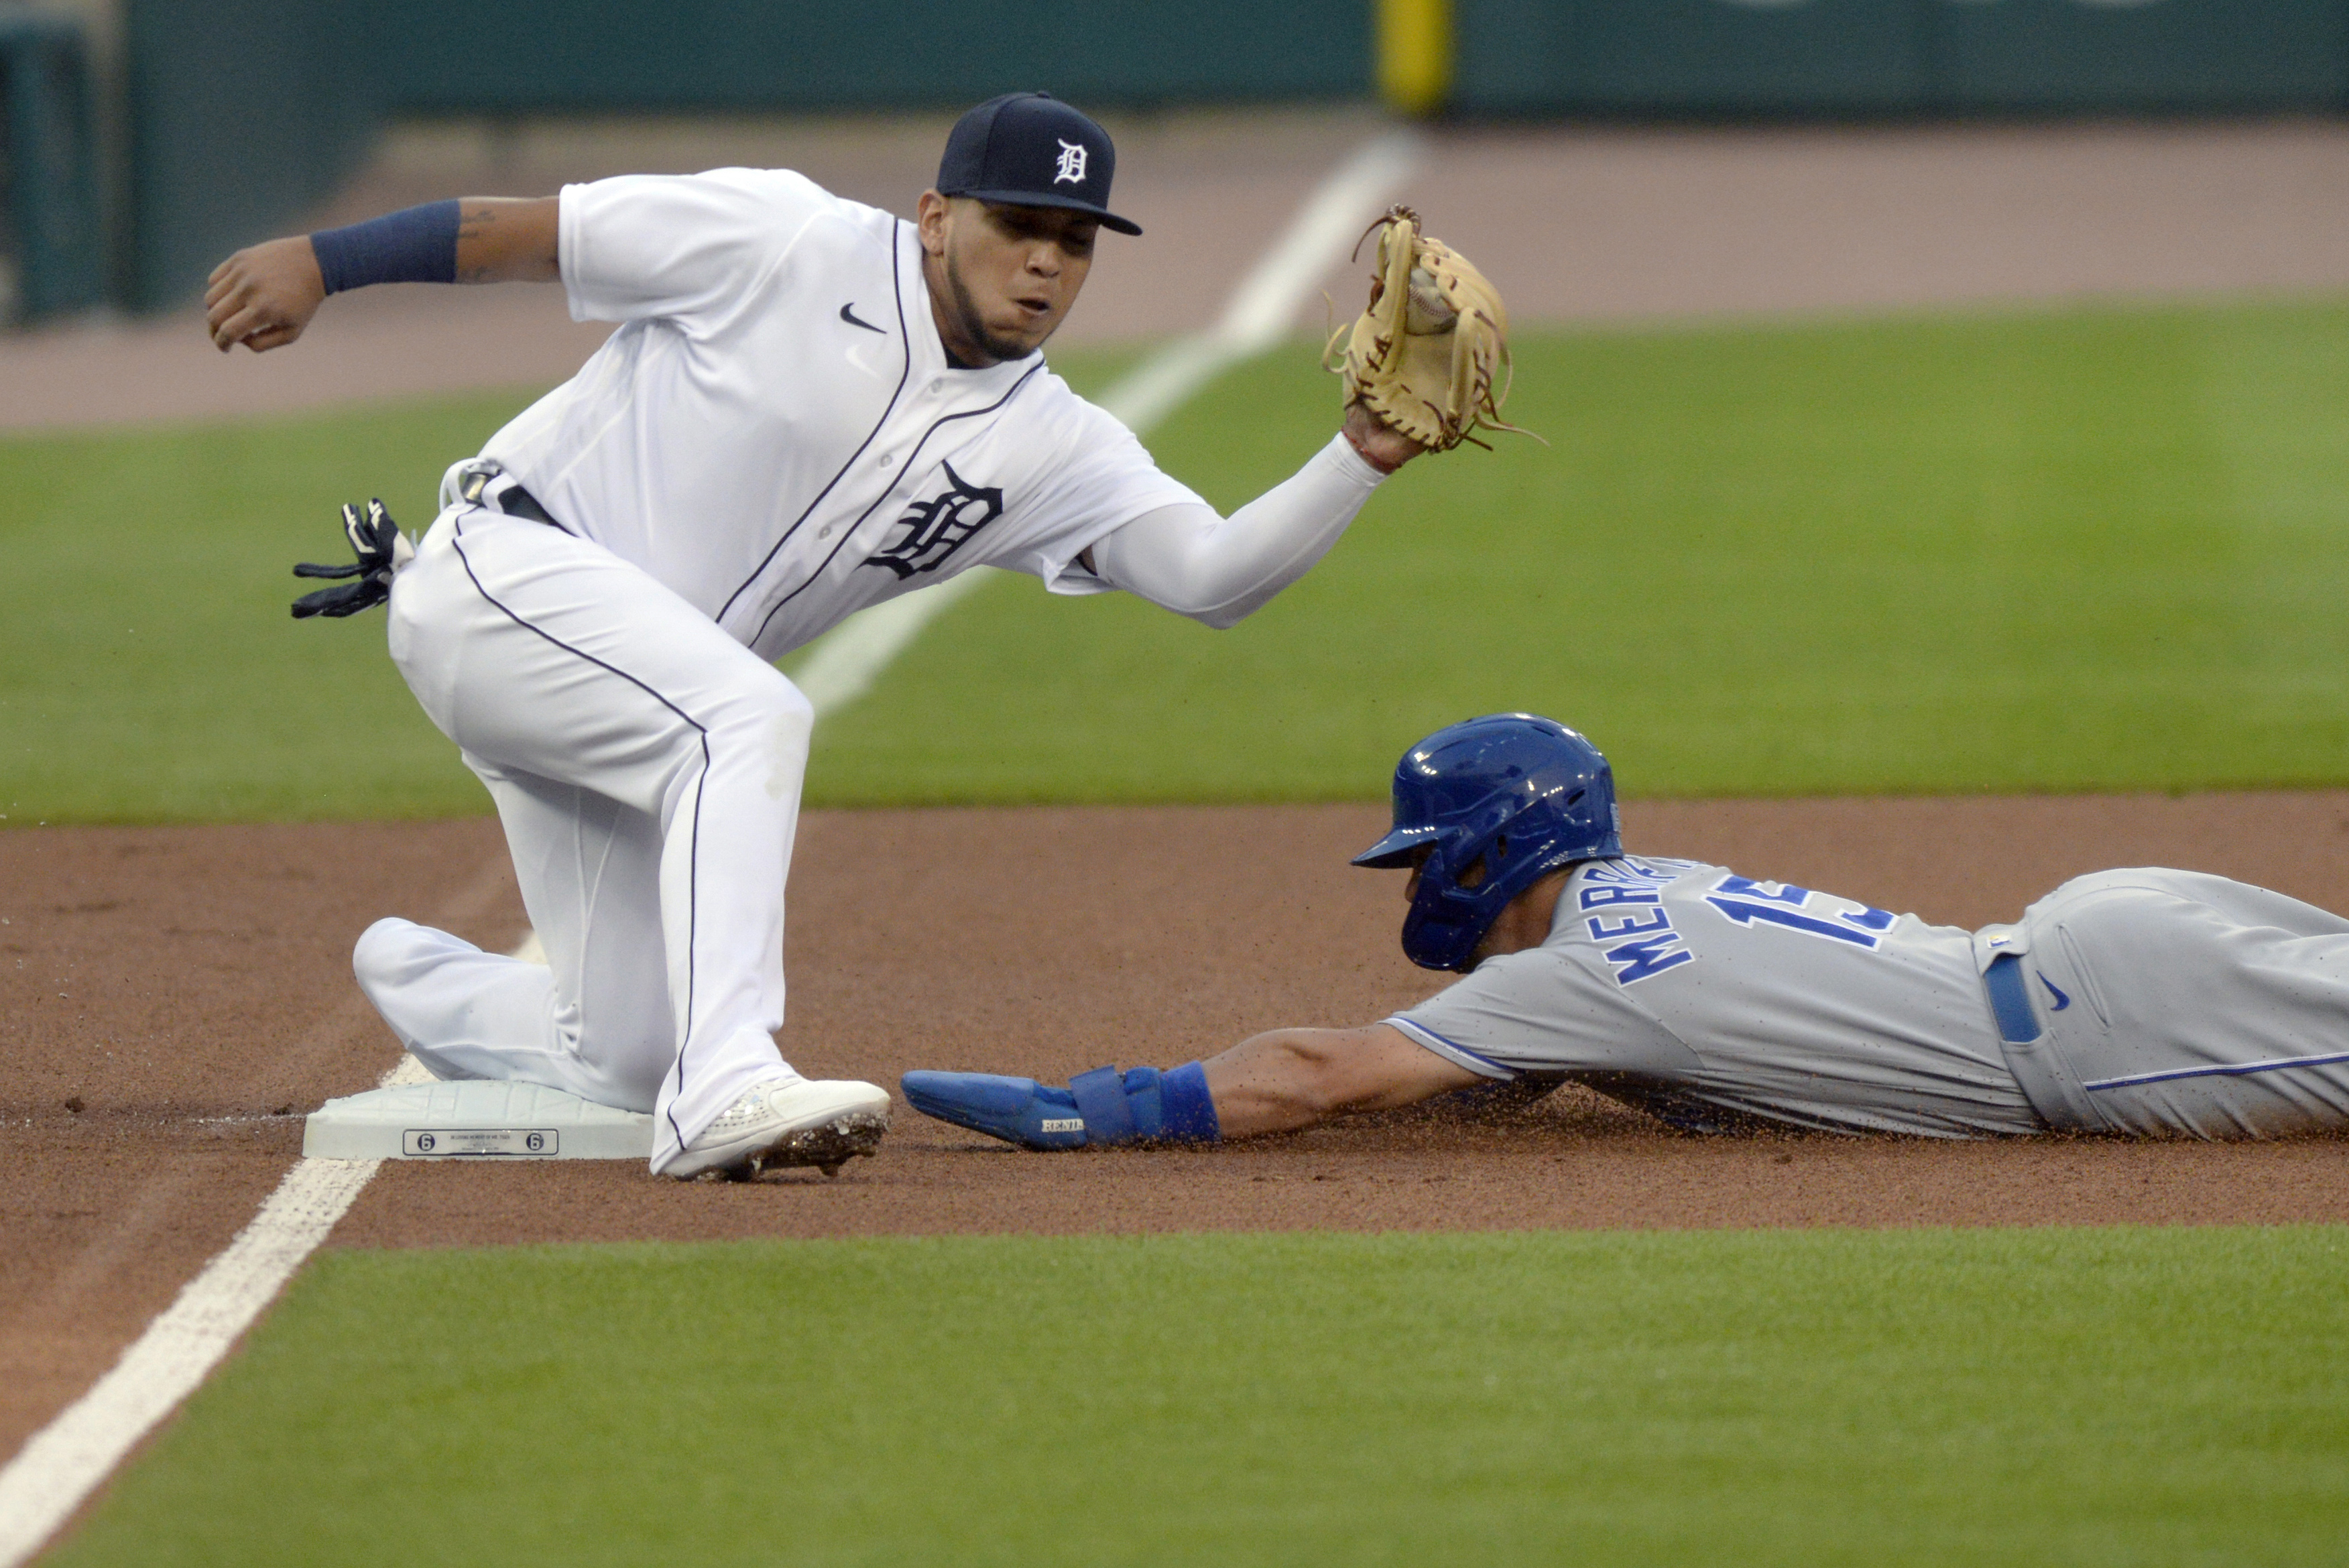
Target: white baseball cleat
[(824, 1122)]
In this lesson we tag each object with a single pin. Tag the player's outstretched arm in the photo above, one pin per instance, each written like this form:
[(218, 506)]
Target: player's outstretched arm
[(1290, 1079), (1220, 570), (265, 295), (1275, 1082)]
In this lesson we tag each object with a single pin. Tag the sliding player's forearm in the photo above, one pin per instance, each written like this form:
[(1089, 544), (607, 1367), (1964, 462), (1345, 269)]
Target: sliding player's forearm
[(1288, 1078), (1270, 1083)]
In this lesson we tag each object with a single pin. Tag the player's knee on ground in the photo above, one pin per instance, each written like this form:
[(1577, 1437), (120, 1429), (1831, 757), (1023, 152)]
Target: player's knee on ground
[(391, 950)]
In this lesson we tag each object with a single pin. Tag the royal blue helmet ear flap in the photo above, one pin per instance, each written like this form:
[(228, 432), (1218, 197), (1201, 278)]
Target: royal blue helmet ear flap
[(1495, 804)]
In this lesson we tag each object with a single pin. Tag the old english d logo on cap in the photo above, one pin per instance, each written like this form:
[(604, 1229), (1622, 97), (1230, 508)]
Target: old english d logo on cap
[(1030, 149)]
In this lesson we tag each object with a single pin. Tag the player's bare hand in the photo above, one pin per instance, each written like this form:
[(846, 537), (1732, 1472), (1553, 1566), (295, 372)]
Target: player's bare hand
[(1383, 447), (264, 295)]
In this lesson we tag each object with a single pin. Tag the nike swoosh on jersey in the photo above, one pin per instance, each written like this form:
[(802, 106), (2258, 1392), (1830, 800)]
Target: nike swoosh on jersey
[(2061, 1001), (848, 314)]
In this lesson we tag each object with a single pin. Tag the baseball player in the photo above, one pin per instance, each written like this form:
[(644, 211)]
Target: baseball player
[(810, 407), (2148, 1002)]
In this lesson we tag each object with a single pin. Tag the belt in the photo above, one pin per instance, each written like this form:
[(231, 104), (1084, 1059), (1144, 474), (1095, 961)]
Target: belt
[(2009, 1000), (2032, 1055), (482, 486)]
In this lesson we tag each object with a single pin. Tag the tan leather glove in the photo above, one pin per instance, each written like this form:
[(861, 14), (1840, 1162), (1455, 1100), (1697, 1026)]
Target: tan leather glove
[(1429, 353)]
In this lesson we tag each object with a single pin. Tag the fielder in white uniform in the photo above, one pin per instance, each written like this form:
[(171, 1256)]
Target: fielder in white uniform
[(2143, 1002), (810, 407)]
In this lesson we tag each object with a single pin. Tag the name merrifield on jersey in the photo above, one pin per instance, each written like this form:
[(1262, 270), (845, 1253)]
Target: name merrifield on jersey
[(1641, 942)]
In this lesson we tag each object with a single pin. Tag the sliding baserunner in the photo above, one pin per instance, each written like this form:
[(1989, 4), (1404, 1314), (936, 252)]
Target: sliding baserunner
[(2146, 1002), (810, 407)]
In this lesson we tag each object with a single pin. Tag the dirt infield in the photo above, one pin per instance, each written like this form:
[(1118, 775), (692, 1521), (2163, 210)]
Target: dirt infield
[(173, 999), (177, 996)]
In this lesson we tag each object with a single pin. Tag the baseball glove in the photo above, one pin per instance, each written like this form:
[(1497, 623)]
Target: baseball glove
[(381, 549), (1425, 354)]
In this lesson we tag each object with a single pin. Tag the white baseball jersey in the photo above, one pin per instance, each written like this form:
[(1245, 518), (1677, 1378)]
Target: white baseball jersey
[(775, 433), (1709, 998), (773, 439)]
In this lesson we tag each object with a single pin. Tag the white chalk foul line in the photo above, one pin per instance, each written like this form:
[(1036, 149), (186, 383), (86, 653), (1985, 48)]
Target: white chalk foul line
[(842, 665), (65, 1462)]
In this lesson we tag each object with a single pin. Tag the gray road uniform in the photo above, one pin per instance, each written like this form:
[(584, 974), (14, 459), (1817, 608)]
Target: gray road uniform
[(2145, 1001)]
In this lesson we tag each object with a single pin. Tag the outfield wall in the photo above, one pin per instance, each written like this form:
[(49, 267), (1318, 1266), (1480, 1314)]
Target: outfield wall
[(244, 111), (1844, 58), (242, 114), (555, 55)]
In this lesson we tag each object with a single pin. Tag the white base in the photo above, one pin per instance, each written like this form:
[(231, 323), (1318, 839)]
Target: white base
[(474, 1120)]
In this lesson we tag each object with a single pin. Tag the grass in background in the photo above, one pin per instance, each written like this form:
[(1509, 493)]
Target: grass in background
[(2074, 1397), (149, 669), (2066, 549), (2061, 549)]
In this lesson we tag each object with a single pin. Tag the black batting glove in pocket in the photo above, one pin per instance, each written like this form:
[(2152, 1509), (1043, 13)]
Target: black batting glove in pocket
[(381, 549)]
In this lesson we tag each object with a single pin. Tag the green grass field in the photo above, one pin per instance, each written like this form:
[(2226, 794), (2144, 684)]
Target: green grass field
[(2074, 1396), (148, 669), (2050, 551), (2098, 550)]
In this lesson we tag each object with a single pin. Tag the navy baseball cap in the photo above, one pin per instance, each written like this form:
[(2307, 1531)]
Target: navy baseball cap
[(1030, 149)]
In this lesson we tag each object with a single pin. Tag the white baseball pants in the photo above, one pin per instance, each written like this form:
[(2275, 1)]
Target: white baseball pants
[(647, 768)]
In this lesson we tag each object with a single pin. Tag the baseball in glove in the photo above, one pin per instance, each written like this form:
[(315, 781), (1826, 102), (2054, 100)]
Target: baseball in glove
[(1425, 353)]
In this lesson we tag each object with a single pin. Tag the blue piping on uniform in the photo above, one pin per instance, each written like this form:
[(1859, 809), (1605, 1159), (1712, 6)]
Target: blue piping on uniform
[(1407, 1027), (2237, 1070), (906, 374), (848, 533), (693, 851)]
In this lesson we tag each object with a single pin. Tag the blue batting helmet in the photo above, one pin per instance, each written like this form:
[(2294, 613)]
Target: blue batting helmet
[(1499, 802)]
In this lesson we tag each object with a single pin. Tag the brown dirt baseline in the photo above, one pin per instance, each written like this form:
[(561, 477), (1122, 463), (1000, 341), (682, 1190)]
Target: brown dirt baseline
[(176, 997)]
